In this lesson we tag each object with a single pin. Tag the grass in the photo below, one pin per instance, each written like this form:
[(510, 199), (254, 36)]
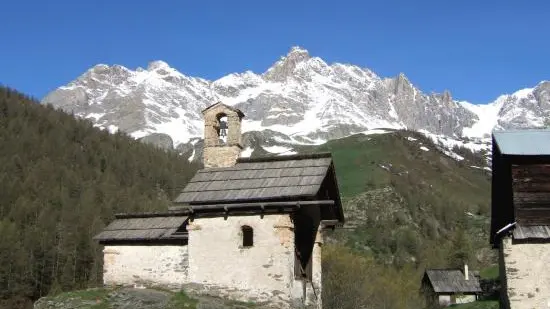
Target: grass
[(182, 300), (491, 272), (404, 200), (98, 295), (89, 294), (359, 162)]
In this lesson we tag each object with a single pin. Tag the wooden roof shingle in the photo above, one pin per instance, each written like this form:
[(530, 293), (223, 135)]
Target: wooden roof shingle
[(453, 281), (145, 228), (258, 179)]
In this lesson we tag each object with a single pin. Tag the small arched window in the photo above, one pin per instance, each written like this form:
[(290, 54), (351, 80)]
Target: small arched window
[(248, 236)]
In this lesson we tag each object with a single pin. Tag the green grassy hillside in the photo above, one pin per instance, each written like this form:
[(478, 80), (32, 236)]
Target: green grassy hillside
[(402, 202), (407, 209)]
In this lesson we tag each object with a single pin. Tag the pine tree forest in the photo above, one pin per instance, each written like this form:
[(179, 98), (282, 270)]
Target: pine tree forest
[(61, 181)]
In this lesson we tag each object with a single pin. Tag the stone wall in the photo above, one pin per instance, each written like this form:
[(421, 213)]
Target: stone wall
[(263, 272), (527, 274), (444, 300), (314, 288), (220, 156), (145, 265), (451, 299), (463, 299)]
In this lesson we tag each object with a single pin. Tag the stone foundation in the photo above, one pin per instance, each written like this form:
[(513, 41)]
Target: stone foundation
[(526, 277)]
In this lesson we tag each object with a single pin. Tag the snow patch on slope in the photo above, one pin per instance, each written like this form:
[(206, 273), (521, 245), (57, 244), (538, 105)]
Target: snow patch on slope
[(446, 144), (375, 131), (488, 115), (277, 149)]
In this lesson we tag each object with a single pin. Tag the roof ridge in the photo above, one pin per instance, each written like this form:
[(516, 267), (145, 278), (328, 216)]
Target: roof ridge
[(304, 156)]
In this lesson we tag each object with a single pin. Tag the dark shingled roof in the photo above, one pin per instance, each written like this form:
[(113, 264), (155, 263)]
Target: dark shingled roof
[(136, 229), (453, 281), (531, 232), (259, 179)]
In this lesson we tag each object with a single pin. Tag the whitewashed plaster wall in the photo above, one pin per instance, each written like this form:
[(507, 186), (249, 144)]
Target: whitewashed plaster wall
[(145, 265), (444, 300), (527, 274), (463, 299), (263, 272)]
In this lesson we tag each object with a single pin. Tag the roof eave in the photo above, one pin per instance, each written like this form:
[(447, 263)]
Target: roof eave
[(219, 103)]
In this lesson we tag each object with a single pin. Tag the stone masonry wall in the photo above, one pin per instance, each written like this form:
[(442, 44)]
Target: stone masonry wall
[(220, 156), (527, 274), (263, 272), (145, 265), (314, 288)]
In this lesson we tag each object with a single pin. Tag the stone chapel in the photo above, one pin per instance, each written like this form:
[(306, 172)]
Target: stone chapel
[(248, 229)]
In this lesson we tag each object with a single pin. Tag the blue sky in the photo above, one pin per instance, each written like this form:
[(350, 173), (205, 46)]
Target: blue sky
[(476, 49)]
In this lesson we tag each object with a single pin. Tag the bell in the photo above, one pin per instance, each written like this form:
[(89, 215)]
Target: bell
[(223, 128)]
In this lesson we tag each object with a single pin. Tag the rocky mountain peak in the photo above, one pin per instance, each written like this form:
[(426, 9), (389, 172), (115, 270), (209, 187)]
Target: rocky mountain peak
[(99, 68), (297, 54), (447, 96), (157, 64), (402, 84), (284, 68), (301, 98)]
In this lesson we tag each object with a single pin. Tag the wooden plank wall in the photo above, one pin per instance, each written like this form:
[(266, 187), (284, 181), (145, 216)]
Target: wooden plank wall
[(531, 191)]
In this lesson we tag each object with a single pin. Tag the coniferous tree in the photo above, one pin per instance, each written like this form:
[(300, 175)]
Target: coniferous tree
[(61, 182)]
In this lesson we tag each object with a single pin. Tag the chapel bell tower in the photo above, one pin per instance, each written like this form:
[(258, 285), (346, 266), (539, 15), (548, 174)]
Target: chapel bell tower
[(222, 135)]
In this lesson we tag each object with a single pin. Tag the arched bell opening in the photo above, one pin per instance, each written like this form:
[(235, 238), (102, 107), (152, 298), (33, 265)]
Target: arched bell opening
[(222, 129)]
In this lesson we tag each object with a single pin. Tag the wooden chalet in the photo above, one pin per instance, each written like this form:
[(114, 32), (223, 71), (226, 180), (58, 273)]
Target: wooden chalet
[(520, 216), (444, 287), (520, 186)]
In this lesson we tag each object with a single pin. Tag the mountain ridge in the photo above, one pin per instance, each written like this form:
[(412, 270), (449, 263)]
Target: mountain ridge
[(299, 96)]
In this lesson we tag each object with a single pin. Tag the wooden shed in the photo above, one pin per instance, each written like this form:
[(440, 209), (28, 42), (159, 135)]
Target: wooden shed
[(444, 287), (520, 216), (520, 202)]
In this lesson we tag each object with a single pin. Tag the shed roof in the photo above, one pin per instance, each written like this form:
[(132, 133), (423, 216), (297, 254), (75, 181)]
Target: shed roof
[(523, 142), (453, 281), (531, 232), (144, 228), (259, 179)]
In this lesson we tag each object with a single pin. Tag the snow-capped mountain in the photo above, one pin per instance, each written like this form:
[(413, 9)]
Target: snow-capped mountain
[(300, 99)]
